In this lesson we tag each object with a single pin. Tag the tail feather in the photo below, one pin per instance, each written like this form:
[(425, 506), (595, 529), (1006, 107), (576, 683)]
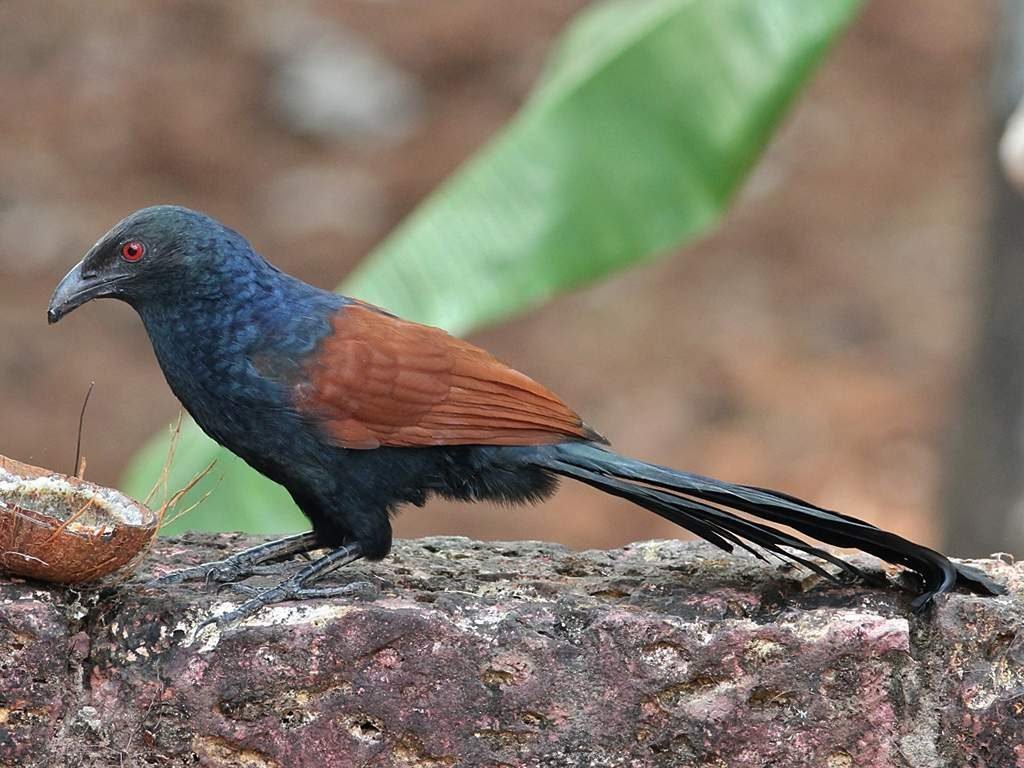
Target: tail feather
[(710, 523), (702, 505)]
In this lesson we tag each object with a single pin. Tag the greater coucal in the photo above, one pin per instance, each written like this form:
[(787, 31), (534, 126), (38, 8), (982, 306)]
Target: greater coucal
[(357, 412)]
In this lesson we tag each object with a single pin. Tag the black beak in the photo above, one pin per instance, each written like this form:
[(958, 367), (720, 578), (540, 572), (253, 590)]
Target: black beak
[(77, 288)]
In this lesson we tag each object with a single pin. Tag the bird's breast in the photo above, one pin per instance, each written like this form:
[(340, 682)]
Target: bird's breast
[(207, 367)]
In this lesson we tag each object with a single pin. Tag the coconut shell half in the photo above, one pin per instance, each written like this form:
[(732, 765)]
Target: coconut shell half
[(58, 528)]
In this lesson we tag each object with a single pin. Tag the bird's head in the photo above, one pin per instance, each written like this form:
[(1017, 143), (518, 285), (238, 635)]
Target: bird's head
[(152, 254)]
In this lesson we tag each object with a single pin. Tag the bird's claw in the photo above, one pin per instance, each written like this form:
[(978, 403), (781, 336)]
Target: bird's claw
[(218, 572), (242, 612), (362, 589), (223, 572), (240, 565), (174, 577), (290, 589), (239, 587)]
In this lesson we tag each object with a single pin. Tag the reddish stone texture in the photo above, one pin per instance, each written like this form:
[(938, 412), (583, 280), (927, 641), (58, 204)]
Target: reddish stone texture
[(516, 654), (37, 663)]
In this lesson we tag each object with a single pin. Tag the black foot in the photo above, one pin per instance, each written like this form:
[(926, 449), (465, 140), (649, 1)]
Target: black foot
[(295, 587), (240, 565), (360, 588)]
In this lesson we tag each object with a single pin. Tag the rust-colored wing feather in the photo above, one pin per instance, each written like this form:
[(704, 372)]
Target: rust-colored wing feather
[(378, 380)]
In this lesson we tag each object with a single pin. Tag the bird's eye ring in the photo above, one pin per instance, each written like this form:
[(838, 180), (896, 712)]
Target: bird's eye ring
[(132, 251)]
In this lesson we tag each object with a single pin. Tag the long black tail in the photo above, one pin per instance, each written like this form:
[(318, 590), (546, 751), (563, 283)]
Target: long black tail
[(704, 506)]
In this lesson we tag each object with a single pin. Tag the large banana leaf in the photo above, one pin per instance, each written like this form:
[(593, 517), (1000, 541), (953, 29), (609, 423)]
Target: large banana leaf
[(646, 121)]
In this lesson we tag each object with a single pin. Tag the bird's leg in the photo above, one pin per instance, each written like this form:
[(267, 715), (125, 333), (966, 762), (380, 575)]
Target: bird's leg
[(241, 564), (295, 587)]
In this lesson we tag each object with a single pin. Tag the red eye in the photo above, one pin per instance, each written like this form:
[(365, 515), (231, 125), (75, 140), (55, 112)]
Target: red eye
[(132, 251)]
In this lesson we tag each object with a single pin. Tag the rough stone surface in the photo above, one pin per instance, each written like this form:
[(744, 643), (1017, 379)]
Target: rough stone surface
[(516, 654)]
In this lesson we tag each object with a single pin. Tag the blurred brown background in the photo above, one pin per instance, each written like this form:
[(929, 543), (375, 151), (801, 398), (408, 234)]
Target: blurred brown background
[(815, 344)]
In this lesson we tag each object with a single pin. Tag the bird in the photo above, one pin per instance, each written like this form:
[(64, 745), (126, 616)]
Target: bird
[(357, 412)]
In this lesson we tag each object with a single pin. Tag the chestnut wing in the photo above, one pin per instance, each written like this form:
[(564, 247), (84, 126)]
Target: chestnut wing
[(377, 380)]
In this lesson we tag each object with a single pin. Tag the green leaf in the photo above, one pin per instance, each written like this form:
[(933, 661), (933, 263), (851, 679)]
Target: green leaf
[(649, 117), (646, 121)]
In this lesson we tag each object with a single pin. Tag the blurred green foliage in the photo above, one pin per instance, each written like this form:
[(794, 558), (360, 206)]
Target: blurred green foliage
[(646, 121)]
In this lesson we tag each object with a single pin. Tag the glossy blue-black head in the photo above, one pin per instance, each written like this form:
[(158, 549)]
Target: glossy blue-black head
[(151, 255)]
